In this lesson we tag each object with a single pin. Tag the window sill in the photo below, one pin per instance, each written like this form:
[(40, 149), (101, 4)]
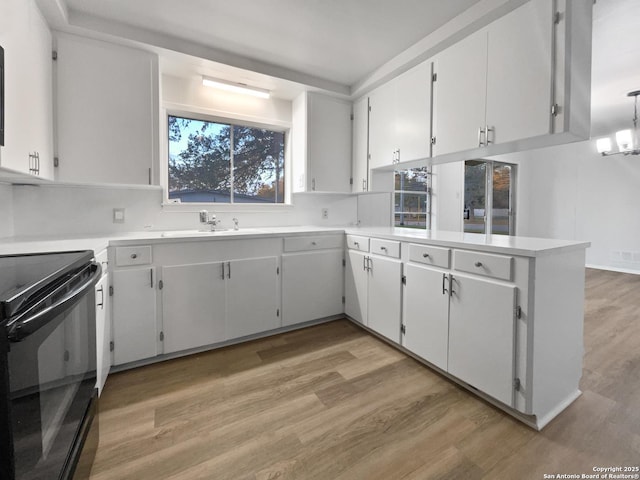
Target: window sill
[(226, 207)]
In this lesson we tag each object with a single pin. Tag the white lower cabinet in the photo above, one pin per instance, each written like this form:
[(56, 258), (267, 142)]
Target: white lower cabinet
[(312, 286), (193, 305), (385, 294), (356, 286), (426, 314), (373, 292), (464, 325), (135, 334), (252, 296), (482, 335), (211, 302), (103, 332)]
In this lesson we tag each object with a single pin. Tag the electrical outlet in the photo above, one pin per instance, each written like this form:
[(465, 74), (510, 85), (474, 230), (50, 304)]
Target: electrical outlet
[(118, 215), (325, 213)]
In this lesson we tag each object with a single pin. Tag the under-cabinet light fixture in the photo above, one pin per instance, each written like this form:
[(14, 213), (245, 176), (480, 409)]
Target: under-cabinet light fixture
[(627, 140), (235, 87)]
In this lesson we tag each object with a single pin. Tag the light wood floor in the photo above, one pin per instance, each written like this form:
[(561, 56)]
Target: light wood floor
[(333, 402)]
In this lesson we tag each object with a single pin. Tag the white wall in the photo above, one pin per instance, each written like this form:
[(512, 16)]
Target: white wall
[(572, 192), (191, 94), (6, 210), (51, 210)]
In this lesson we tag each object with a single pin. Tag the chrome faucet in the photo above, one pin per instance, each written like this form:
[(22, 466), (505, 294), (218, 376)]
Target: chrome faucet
[(209, 219), (235, 224)]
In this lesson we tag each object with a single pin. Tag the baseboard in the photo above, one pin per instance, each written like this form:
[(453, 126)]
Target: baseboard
[(613, 269)]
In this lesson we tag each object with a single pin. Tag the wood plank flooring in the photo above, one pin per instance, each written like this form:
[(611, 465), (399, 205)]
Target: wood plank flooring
[(333, 402)]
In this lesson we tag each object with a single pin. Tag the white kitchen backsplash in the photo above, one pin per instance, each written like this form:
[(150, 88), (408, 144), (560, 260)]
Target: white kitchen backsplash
[(6, 210), (88, 210), (374, 209)]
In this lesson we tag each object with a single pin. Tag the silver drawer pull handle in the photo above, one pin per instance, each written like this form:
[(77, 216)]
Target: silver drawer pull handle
[(134, 255), (425, 255), (478, 264)]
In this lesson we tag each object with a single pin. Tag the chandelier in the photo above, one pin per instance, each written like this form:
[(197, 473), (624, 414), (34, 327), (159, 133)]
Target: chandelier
[(627, 140)]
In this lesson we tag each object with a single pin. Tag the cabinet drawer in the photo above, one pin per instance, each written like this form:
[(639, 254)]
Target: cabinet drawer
[(388, 248), (496, 266), (133, 255), (316, 242), (434, 256), (356, 242)]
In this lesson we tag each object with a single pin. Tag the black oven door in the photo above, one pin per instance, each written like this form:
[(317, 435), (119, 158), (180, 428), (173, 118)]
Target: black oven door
[(51, 352)]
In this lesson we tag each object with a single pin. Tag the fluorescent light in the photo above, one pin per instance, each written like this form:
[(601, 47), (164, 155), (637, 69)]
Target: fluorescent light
[(603, 145), (235, 87)]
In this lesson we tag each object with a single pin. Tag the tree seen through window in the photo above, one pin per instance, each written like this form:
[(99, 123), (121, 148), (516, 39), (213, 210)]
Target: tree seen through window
[(223, 163)]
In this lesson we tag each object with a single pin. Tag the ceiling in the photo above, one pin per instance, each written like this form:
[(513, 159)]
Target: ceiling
[(286, 45), (337, 40)]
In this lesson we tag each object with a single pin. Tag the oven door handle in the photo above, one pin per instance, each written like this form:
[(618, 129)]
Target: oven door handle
[(22, 328)]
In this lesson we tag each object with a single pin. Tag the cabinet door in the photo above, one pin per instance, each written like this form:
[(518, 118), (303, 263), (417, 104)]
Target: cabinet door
[(115, 140), (460, 94), (519, 75), (385, 282), (382, 125), (134, 315), (103, 333), (481, 335), (26, 39), (413, 113), (252, 296), (360, 172), (328, 144), (193, 305), (356, 284), (312, 286), (426, 314)]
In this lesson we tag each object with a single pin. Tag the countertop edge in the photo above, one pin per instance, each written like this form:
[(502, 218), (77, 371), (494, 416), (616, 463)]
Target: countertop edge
[(521, 246)]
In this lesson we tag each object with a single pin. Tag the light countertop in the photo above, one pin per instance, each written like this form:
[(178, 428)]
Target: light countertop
[(525, 246)]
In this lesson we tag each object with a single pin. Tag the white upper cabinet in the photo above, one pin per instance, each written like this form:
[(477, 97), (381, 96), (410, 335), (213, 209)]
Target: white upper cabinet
[(321, 143), (499, 89), (400, 118), (413, 113), (382, 125), (107, 104), (519, 73), (459, 95), (26, 40), (360, 166)]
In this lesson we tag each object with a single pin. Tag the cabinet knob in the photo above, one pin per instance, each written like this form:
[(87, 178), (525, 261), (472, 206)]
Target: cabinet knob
[(383, 249), (478, 264), (356, 244), (134, 255), (425, 255), (314, 243)]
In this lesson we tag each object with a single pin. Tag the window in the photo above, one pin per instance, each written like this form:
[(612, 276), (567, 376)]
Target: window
[(412, 198), (211, 162), (489, 187)]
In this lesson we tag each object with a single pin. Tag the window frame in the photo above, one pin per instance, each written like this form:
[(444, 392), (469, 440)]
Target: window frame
[(205, 115), (428, 199), (488, 185)]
